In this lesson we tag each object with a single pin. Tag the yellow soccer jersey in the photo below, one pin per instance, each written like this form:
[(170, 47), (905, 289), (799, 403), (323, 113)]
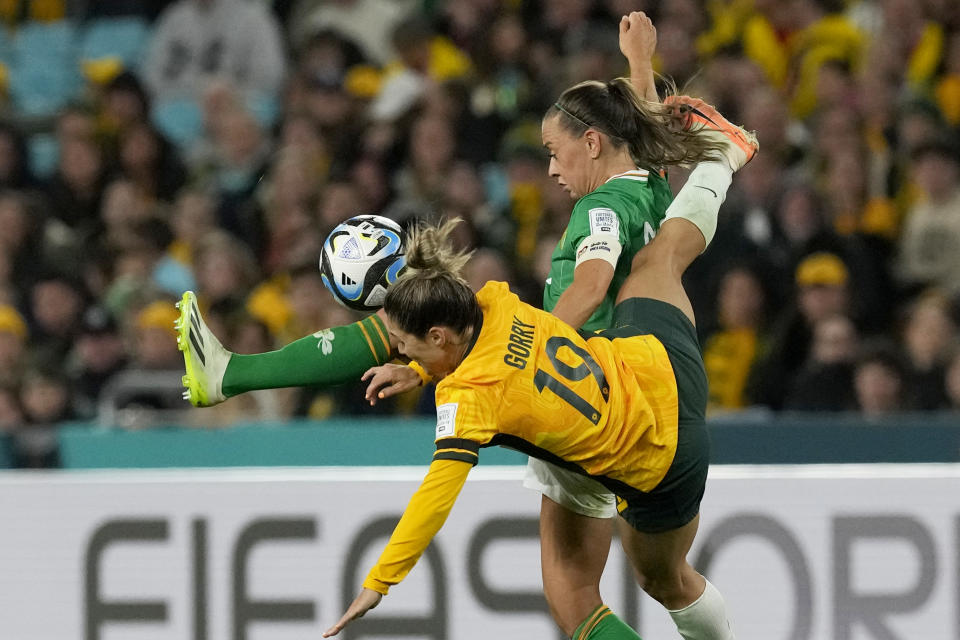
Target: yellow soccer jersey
[(532, 383), (607, 408)]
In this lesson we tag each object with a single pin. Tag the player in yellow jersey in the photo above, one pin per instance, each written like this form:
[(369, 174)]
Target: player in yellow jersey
[(624, 407)]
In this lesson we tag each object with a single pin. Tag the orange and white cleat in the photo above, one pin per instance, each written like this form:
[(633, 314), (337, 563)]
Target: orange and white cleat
[(738, 146)]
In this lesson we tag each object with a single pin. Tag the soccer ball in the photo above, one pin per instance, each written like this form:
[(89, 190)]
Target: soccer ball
[(361, 257)]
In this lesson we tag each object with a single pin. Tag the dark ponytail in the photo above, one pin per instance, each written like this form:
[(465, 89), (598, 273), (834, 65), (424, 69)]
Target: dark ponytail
[(652, 132)]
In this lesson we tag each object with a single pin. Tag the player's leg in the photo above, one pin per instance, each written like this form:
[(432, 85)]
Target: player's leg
[(326, 358), (575, 533), (659, 561), (573, 553), (691, 219)]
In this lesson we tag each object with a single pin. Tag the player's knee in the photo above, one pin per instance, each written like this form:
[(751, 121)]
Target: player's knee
[(663, 586)]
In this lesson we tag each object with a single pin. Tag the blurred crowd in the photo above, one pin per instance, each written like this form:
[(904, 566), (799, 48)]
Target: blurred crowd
[(212, 144)]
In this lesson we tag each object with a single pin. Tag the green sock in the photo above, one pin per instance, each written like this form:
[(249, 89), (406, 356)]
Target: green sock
[(602, 624), (326, 358)]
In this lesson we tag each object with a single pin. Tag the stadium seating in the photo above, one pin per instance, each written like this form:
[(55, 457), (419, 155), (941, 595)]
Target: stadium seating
[(43, 74), (123, 38)]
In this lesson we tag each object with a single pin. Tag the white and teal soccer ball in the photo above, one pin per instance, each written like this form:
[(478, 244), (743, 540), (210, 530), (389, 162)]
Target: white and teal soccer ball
[(361, 258)]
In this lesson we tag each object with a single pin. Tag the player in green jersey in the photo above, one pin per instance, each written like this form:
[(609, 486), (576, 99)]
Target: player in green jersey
[(611, 160), (620, 216)]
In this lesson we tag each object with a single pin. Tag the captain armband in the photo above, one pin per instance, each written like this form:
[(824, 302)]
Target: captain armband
[(599, 246)]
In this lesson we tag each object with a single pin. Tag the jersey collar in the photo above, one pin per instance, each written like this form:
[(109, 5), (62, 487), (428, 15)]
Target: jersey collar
[(633, 174)]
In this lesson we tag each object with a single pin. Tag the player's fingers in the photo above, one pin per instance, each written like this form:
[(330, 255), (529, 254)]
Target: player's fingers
[(337, 628), (352, 614), (624, 24), (374, 387), (395, 387), (387, 390)]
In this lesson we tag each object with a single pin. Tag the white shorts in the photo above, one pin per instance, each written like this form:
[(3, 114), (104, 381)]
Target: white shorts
[(576, 492)]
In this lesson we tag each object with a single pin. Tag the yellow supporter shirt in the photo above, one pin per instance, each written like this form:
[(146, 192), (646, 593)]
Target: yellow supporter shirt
[(607, 408)]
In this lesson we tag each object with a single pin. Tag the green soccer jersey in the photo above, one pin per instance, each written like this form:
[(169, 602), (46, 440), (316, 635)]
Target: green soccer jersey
[(628, 209)]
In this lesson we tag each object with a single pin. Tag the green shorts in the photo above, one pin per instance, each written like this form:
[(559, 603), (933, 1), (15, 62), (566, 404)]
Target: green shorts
[(676, 500)]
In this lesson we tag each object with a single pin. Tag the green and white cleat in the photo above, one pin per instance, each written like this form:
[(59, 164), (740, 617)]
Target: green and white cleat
[(203, 356)]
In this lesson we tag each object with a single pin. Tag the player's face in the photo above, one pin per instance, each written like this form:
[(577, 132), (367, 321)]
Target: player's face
[(433, 351), (569, 157)]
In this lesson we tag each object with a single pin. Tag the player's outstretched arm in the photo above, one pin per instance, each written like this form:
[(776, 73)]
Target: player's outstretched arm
[(638, 42), (326, 358), (425, 514)]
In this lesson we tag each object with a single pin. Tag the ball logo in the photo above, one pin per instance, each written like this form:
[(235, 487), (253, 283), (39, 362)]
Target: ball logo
[(350, 250)]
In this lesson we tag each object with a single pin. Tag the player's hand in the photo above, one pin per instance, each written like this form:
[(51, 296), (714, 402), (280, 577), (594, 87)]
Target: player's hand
[(638, 37), (389, 380), (368, 599)]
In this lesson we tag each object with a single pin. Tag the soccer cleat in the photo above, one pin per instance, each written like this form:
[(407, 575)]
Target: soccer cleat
[(738, 146), (204, 357)]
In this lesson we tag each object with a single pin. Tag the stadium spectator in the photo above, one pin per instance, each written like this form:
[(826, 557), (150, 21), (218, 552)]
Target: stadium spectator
[(99, 353), (123, 208), (880, 380), (56, 304), (123, 103), (930, 245), (825, 382), (420, 182), (338, 200), (196, 41), (366, 23), (21, 243), (928, 334), (731, 348), (155, 337), (150, 162), (193, 216), (425, 58), (486, 265), (224, 268), (76, 189), (285, 216), (45, 398), (821, 280)]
